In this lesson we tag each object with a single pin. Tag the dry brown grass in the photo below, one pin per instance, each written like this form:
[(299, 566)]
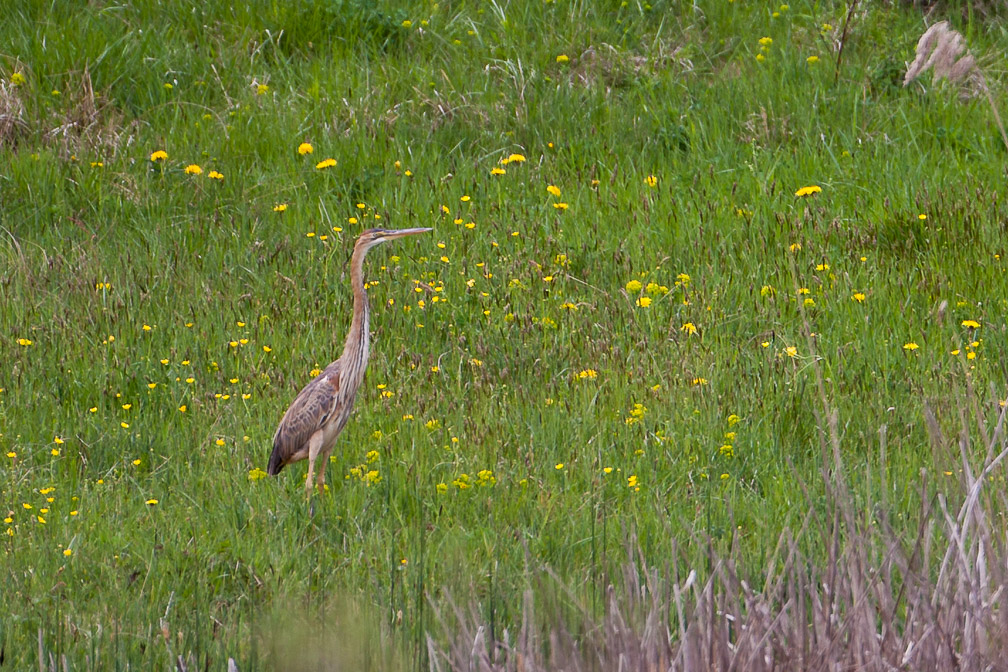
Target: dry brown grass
[(89, 123), (944, 50), (13, 127)]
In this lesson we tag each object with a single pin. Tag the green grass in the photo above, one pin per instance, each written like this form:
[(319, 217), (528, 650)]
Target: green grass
[(484, 373)]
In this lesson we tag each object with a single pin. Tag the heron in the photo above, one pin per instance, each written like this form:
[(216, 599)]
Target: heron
[(321, 409)]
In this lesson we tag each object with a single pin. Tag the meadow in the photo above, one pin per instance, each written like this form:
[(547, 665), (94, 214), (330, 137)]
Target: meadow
[(670, 239)]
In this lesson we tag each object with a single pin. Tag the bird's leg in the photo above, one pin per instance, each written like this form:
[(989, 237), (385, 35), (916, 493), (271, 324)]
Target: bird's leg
[(320, 479), (314, 446)]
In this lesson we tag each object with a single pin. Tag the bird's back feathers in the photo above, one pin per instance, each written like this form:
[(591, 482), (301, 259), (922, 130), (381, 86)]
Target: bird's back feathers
[(307, 414)]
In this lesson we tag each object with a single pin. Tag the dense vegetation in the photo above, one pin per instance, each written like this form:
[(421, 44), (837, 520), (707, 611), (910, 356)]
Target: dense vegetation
[(610, 335)]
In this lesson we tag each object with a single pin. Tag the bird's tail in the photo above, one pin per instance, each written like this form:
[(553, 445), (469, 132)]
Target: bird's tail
[(275, 462)]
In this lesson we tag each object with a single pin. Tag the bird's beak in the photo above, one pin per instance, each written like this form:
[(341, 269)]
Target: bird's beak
[(399, 233)]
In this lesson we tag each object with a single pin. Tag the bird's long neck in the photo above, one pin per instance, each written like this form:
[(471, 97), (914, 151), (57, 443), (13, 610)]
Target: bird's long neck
[(355, 350)]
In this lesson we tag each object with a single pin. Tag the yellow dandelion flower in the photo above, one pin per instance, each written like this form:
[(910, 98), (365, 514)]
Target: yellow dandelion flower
[(497, 171), (644, 301), (652, 181), (910, 346), (808, 191), (812, 60), (151, 502), (553, 189), (562, 58), (305, 148), (858, 296), (689, 328), (634, 286), (193, 169), (971, 324), (280, 207), (159, 155), (325, 163), (791, 351), (214, 175)]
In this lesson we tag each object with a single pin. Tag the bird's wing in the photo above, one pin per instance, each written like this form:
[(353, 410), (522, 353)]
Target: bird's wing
[(307, 414)]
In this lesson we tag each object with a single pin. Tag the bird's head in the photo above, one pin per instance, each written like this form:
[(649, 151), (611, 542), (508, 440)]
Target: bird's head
[(373, 237)]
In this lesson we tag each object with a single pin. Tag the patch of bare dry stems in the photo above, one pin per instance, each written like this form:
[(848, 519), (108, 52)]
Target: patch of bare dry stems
[(86, 123)]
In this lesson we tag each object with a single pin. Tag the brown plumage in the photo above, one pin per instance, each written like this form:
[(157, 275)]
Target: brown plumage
[(316, 417)]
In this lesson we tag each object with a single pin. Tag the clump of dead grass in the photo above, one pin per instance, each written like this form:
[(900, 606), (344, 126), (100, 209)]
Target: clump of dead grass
[(943, 51), (12, 114), (88, 124), (85, 123)]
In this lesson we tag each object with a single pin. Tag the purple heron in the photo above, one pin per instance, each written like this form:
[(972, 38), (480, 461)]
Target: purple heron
[(317, 415)]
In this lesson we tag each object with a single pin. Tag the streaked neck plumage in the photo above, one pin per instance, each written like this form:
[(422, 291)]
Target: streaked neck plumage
[(355, 350)]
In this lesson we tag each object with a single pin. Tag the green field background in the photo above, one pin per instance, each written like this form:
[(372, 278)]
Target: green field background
[(626, 360)]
